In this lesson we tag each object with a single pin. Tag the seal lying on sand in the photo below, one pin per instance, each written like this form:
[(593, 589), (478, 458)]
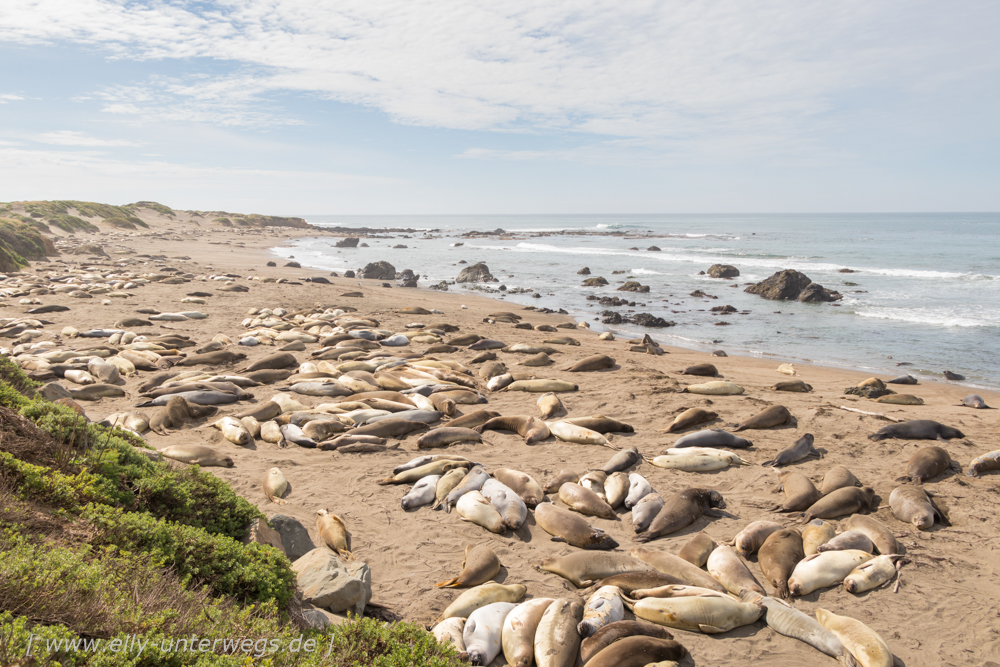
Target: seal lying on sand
[(917, 429)]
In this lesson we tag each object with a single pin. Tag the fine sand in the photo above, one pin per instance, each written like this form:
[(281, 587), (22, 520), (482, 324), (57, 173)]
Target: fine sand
[(944, 613)]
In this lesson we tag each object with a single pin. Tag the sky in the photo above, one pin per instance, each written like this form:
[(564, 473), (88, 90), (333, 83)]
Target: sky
[(297, 107)]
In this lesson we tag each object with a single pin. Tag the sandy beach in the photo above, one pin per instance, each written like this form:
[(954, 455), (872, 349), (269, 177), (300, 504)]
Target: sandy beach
[(945, 610)]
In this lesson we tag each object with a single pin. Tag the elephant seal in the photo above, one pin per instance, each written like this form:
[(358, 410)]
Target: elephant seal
[(449, 632), (421, 494), (196, 397), (548, 405), (980, 464), (197, 455), (911, 504), (601, 424), (596, 362), (902, 379), (529, 428), (583, 568), (473, 481), (778, 556), (638, 488), (570, 527), (900, 399), (867, 647), (714, 437), (234, 431), (524, 485), (447, 435), (715, 388), (644, 511), (390, 428), (557, 642), (176, 412), (630, 582), (917, 429), (604, 606), (880, 536), (707, 614), (954, 377), (616, 488), (793, 385), (518, 633), (563, 476), (639, 651), (295, 435), (706, 370), (540, 359), (749, 540), (212, 358), (269, 375), (487, 344), (262, 413), (479, 566), (275, 361), (698, 549), (824, 569), (623, 460), (816, 533), (616, 631), (541, 386), (776, 415), (480, 596), (872, 574), (726, 566), (333, 532), (275, 486), (93, 392), (681, 510), (841, 502), (689, 418), (838, 477), (512, 509), (849, 539), (788, 621), (974, 401), (583, 500), (803, 448), (927, 463), (800, 492), (483, 356), (473, 419)]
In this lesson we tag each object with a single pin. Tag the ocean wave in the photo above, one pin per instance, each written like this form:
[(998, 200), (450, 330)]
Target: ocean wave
[(647, 272), (936, 317)]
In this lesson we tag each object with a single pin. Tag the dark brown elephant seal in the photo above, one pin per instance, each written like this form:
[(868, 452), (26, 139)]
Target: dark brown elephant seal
[(793, 385), (681, 510), (274, 361), (705, 370), (911, 504), (597, 362), (880, 535), (800, 492), (473, 419), (698, 549), (390, 428), (529, 428), (269, 375), (803, 448), (212, 358), (483, 356), (262, 413), (583, 500), (688, 418), (776, 415), (927, 463), (838, 477), (613, 632), (841, 502), (447, 435), (572, 528), (562, 477), (917, 429), (601, 424), (630, 582), (778, 556), (623, 460), (638, 651), (464, 340), (176, 412)]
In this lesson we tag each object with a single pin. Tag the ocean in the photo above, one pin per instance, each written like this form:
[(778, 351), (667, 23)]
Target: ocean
[(925, 292)]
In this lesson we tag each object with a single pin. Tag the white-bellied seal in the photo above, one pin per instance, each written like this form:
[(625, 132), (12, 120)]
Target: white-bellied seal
[(508, 503), (980, 464), (479, 565), (333, 532), (872, 574), (974, 401), (715, 437), (779, 554), (449, 632), (714, 388), (707, 614), (475, 508), (867, 647), (726, 566), (639, 488), (917, 429), (421, 494), (583, 500), (801, 449), (524, 485), (604, 606), (518, 634), (849, 539), (482, 633), (824, 569), (927, 463), (572, 528), (681, 510), (480, 596), (234, 431), (644, 511)]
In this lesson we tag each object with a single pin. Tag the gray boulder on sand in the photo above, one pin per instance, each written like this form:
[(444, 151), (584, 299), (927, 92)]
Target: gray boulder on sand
[(294, 536), (477, 273), (381, 270), (327, 581)]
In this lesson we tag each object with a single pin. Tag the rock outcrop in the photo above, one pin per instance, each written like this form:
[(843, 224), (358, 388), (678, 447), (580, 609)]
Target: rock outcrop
[(723, 271), (633, 286), (791, 285), (327, 581), (380, 270), (477, 273), (349, 242), (595, 282)]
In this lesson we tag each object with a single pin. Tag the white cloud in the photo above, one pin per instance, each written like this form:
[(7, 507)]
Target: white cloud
[(71, 138), (5, 98)]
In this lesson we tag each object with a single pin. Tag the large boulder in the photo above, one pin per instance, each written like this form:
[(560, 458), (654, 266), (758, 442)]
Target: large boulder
[(295, 540), (585, 271), (633, 286), (782, 286), (723, 271), (380, 270), (815, 293), (327, 581), (349, 242), (406, 274), (647, 320), (595, 282), (477, 273), (261, 533)]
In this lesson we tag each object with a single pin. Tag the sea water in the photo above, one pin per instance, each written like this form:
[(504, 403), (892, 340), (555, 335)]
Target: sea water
[(926, 292)]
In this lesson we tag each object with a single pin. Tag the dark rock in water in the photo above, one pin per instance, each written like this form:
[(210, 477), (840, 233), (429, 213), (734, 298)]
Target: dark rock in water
[(647, 320), (363, 245), (477, 273), (614, 301), (723, 323), (293, 265), (294, 536), (348, 274), (701, 295), (653, 248), (536, 295), (955, 377), (406, 274), (633, 286), (462, 261), (870, 391), (815, 293), (585, 271), (847, 271), (502, 288), (790, 284), (612, 317), (399, 246), (349, 242), (618, 273), (723, 309), (595, 282), (271, 264), (441, 286), (723, 271), (380, 270)]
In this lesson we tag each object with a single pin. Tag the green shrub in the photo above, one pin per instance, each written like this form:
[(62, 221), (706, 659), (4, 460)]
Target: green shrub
[(71, 223), (152, 205), (51, 487)]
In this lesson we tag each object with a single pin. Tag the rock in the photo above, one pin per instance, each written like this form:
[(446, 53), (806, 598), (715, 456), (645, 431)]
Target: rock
[(613, 301), (294, 265), (633, 286), (585, 271), (406, 274), (380, 270), (349, 242), (271, 264), (412, 282), (595, 282), (349, 274), (442, 286), (327, 581), (846, 271), (261, 533), (536, 295), (723, 309), (89, 249), (399, 246), (612, 317), (723, 271), (295, 540), (477, 273), (814, 293), (790, 284), (53, 391), (701, 295), (647, 320), (653, 248)]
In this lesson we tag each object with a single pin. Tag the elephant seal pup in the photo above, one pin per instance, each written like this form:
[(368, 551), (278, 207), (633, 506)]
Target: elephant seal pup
[(867, 647), (841, 503), (630, 582), (793, 385), (572, 528), (803, 448), (541, 386), (902, 379), (707, 614), (275, 486), (176, 412), (714, 437), (917, 429), (197, 455), (583, 568), (447, 435), (880, 536), (601, 424), (927, 463), (196, 397), (778, 556), (531, 429), (675, 566), (623, 460), (800, 492), (786, 620), (518, 633), (749, 540), (818, 532), (823, 570), (508, 503), (872, 574), (616, 631), (475, 508), (597, 362), (980, 464), (644, 511), (704, 370), (473, 419), (583, 500), (911, 504), (562, 477), (333, 533), (234, 431), (726, 566), (480, 596), (548, 405), (638, 488), (421, 494), (776, 415), (838, 477), (264, 412), (473, 481), (681, 510), (849, 539), (557, 641), (479, 566), (449, 631), (900, 399), (639, 651), (974, 401), (604, 606), (269, 375), (688, 418), (714, 388), (524, 485), (698, 549)]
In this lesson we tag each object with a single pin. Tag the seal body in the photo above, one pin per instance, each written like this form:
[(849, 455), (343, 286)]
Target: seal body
[(604, 606), (712, 438), (681, 510), (750, 539), (518, 635), (480, 596), (689, 418), (275, 486), (333, 532), (803, 448), (572, 528), (918, 429), (980, 464), (583, 568), (868, 648), (480, 565), (927, 463), (197, 455), (482, 632), (825, 569), (841, 503), (557, 641), (911, 504), (616, 631), (800, 492), (838, 477), (776, 415), (644, 511), (778, 557), (523, 484), (711, 615)]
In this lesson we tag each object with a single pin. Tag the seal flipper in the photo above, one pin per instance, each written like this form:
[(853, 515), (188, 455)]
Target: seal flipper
[(710, 629), (558, 539)]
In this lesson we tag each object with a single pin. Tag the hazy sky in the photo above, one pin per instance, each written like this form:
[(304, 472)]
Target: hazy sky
[(512, 106)]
